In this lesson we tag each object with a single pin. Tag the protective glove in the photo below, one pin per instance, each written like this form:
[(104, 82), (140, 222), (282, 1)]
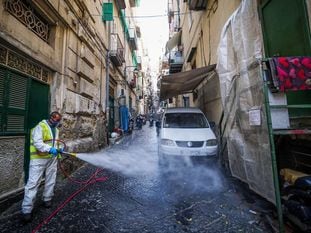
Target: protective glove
[(53, 151)]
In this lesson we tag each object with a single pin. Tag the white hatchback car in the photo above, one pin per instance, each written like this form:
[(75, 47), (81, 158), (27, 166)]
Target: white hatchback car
[(186, 132)]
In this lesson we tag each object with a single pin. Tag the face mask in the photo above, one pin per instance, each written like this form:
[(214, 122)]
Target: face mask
[(55, 124)]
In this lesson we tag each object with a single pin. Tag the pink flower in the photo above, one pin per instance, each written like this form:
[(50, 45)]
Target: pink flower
[(306, 61), (292, 73), (301, 74), (283, 61), (281, 73), (295, 61)]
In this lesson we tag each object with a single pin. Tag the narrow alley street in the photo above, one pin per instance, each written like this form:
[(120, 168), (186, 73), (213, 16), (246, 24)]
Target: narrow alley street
[(139, 196), (162, 116)]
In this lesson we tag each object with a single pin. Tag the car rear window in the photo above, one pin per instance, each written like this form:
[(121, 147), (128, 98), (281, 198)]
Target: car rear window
[(185, 120)]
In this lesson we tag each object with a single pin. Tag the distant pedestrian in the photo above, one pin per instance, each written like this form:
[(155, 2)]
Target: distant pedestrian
[(43, 159)]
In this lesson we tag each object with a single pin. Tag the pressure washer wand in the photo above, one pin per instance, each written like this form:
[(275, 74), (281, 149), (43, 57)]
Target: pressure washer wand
[(67, 153)]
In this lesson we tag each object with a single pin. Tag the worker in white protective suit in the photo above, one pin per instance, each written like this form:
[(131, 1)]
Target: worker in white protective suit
[(44, 152)]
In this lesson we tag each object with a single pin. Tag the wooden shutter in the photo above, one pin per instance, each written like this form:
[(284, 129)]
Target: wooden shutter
[(2, 83), (107, 12), (14, 89), (17, 99)]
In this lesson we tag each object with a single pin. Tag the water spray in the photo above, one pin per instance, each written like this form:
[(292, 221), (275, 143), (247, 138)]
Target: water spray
[(92, 180)]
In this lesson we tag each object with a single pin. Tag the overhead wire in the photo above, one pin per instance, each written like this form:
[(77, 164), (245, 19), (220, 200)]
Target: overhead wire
[(146, 16)]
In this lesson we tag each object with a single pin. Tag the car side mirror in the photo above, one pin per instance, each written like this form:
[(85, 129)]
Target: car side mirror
[(212, 124)]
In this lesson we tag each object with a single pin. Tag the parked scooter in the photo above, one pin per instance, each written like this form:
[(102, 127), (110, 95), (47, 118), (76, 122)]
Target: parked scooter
[(131, 125), (139, 122)]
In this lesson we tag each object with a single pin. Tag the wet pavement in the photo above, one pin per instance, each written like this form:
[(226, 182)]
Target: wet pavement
[(140, 196)]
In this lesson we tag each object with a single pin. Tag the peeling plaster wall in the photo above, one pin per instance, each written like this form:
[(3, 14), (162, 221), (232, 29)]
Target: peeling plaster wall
[(11, 163), (74, 57)]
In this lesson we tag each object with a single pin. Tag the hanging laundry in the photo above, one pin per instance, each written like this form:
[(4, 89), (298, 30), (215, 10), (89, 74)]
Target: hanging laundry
[(291, 73)]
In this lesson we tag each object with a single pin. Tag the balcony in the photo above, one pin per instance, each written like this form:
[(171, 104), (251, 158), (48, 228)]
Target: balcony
[(197, 5), (176, 62), (134, 3), (139, 62), (133, 38), (138, 32), (121, 4), (132, 84), (117, 50)]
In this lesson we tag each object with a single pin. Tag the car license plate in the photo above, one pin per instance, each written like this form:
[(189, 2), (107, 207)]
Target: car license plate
[(190, 153)]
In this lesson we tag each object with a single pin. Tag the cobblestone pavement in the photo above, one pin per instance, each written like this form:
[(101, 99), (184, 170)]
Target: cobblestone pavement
[(183, 199)]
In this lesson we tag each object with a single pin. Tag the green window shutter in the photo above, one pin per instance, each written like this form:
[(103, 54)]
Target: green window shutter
[(124, 23), (13, 102), (107, 14), (134, 59), (2, 88), (17, 99), (2, 81)]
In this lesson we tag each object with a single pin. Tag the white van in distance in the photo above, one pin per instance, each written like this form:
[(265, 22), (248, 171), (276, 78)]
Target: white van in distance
[(186, 132)]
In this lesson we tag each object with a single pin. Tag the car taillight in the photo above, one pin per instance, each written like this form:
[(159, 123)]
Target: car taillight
[(211, 142), (167, 142)]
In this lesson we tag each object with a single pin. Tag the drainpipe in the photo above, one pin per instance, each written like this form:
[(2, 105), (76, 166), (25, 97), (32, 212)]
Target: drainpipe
[(101, 81), (63, 68), (107, 72)]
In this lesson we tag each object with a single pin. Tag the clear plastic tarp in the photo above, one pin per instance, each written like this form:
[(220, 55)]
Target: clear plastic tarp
[(245, 124)]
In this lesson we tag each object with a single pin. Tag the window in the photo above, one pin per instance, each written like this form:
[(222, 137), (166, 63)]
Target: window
[(185, 120), (13, 102), (30, 17), (16, 61)]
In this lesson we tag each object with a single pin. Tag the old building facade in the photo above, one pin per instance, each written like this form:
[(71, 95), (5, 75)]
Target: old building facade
[(63, 56), (238, 38), (195, 28)]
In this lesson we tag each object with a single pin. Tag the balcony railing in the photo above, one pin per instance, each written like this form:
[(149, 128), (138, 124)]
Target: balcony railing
[(117, 50), (133, 38), (121, 4), (132, 83), (139, 62), (134, 3), (176, 62)]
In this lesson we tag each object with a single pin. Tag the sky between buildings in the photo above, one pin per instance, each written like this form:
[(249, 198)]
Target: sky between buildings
[(153, 22)]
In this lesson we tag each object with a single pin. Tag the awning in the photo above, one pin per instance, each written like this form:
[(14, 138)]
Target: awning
[(183, 82), (174, 41)]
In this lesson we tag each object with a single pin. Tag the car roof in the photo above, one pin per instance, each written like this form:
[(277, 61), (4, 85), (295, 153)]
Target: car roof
[(176, 110)]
